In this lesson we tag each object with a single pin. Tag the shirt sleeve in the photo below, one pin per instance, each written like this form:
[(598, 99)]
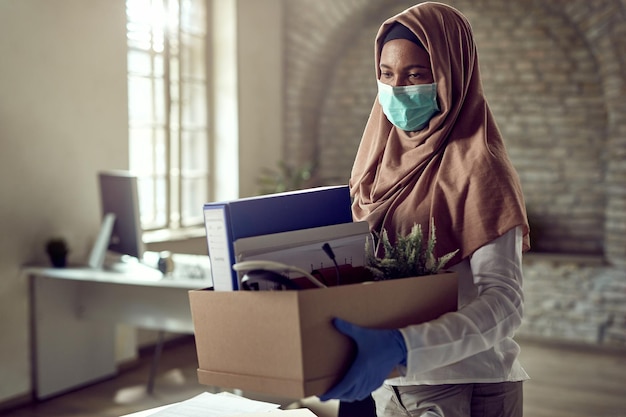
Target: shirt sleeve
[(493, 315)]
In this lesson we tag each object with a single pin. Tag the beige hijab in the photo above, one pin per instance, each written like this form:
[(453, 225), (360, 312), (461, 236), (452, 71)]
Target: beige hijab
[(456, 170)]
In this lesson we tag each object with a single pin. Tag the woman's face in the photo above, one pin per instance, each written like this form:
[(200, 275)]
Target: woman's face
[(402, 63)]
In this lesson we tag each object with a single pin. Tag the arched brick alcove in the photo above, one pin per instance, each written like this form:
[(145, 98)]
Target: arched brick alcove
[(603, 25), (555, 76)]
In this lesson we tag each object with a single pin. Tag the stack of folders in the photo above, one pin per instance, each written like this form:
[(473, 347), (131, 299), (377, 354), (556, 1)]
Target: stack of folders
[(229, 223)]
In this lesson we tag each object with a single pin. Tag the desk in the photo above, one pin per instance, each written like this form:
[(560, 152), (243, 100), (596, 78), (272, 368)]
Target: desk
[(73, 316)]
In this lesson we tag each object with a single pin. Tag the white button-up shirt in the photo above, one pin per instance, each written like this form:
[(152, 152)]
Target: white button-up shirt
[(475, 343)]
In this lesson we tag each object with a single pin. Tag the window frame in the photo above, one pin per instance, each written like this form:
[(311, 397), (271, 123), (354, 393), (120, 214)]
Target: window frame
[(165, 174)]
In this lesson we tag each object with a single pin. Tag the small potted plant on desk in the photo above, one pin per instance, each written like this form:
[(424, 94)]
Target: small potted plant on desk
[(57, 250)]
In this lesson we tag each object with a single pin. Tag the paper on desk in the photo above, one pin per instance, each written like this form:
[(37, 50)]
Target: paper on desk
[(299, 412), (215, 405)]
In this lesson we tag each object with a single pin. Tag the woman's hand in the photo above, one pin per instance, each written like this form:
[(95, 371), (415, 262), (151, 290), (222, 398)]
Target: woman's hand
[(378, 353)]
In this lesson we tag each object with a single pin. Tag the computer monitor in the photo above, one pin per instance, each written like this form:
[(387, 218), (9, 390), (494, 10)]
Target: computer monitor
[(121, 233), (119, 196)]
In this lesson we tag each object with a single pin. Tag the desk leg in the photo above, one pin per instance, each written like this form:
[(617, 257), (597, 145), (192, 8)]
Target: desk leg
[(155, 361), (68, 352)]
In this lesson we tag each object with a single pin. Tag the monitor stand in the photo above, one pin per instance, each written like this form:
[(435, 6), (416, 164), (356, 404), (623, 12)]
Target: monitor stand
[(101, 258), (98, 254)]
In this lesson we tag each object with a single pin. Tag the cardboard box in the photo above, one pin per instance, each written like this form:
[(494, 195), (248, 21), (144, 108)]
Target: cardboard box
[(283, 342)]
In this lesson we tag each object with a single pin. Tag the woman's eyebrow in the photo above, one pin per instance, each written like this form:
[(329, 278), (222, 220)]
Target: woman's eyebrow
[(408, 67)]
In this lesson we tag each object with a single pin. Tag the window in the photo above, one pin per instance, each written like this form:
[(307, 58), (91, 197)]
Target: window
[(167, 102)]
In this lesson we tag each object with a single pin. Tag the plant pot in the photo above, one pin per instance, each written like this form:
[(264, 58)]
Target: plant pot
[(57, 251), (59, 260)]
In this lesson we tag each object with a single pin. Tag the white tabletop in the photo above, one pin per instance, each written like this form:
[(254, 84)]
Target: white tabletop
[(140, 276)]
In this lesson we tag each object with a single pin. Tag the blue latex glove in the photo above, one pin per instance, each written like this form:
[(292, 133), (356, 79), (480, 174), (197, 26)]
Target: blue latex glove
[(378, 353)]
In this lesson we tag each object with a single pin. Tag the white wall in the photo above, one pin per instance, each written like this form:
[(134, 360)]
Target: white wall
[(247, 75), (260, 80), (63, 117)]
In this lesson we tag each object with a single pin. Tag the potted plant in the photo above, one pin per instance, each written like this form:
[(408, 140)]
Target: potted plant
[(57, 250), (409, 257), (285, 178)]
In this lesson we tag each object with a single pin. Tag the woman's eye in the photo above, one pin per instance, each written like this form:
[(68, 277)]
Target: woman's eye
[(385, 74)]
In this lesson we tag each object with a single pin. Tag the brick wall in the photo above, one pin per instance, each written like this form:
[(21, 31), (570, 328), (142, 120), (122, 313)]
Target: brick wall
[(554, 74), (573, 298)]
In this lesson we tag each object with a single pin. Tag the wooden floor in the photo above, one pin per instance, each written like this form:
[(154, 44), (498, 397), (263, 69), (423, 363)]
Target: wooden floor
[(571, 381), (566, 382)]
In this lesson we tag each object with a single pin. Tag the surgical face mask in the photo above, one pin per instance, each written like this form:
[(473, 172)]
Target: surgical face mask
[(408, 107)]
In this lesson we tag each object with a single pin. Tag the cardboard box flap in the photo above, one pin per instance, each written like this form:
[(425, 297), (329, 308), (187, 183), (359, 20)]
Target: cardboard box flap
[(289, 388)]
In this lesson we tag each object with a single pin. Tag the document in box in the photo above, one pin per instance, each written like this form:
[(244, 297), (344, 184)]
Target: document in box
[(299, 412), (303, 248)]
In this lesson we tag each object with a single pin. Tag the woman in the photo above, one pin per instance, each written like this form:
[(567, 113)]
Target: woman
[(431, 149)]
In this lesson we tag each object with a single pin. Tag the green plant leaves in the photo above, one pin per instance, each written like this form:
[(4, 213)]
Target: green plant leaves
[(409, 257)]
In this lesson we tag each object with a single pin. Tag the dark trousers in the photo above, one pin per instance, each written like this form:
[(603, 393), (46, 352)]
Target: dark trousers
[(363, 408)]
